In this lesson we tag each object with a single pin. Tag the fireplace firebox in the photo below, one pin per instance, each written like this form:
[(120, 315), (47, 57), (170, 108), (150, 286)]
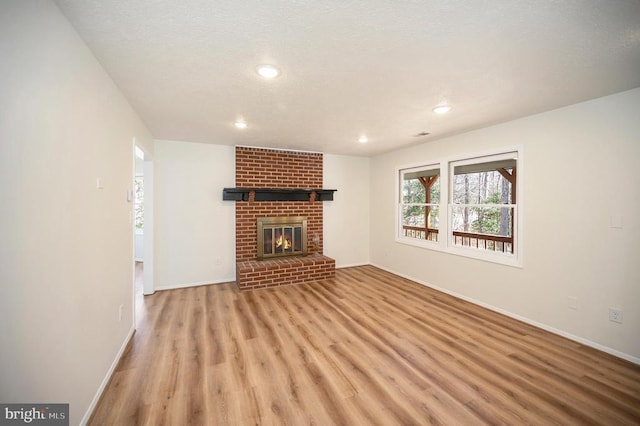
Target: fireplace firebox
[(281, 236)]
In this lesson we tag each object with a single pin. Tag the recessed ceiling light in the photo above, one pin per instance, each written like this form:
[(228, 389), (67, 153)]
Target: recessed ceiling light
[(268, 71), (363, 139), (442, 109), (240, 124)]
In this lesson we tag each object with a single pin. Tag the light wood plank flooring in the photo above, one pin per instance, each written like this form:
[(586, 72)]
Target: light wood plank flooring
[(366, 348)]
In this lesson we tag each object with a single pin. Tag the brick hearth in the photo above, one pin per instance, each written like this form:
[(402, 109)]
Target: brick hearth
[(266, 168), (253, 274)]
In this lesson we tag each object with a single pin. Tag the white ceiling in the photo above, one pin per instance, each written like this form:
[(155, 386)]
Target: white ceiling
[(374, 67)]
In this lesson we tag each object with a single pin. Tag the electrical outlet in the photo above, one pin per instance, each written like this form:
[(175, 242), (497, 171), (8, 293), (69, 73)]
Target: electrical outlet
[(615, 315), (120, 312), (573, 303)]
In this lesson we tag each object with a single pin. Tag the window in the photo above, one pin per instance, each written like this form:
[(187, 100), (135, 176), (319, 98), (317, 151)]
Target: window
[(139, 202), (420, 202), (477, 213), (483, 196)]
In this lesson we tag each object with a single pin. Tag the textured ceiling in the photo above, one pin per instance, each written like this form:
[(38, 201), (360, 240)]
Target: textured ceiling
[(374, 67)]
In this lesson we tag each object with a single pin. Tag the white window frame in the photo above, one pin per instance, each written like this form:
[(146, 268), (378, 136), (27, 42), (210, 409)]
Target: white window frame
[(400, 231), (445, 234)]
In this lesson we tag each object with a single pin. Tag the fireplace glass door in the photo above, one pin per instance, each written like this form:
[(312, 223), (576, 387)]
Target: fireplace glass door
[(281, 236)]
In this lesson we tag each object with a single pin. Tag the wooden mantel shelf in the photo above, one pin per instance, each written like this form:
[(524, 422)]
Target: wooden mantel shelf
[(277, 194)]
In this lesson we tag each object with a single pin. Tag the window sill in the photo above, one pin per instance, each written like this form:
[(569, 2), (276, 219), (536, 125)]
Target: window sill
[(468, 252)]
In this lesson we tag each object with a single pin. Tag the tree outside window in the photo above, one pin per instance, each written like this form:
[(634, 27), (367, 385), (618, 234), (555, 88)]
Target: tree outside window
[(139, 202), (483, 203)]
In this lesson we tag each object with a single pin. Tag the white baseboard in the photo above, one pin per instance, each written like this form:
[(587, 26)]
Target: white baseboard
[(545, 327), (196, 284), (105, 381), (231, 280), (352, 265)]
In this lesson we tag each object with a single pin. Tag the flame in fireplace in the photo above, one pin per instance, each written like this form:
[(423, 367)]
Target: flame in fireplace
[(283, 241)]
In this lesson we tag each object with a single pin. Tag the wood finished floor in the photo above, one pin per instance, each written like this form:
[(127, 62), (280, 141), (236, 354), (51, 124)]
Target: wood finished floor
[(366, 348)]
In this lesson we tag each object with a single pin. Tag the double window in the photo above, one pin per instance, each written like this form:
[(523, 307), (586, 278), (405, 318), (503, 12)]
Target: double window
[(464, 206)]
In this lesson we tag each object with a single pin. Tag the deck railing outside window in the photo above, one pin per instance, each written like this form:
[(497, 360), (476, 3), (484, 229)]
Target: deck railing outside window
[(465, 239)]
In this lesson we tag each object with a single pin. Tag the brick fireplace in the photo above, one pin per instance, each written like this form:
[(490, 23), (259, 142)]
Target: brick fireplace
[(267, 168)]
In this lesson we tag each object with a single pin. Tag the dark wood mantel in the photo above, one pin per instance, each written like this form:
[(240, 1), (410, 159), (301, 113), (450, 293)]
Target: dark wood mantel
[(278, 194)]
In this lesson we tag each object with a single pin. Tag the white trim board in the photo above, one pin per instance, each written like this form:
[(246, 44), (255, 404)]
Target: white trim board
[(542, 326), (278, 149), (107, 378), (232, 280), (352, 265), (196, 284)]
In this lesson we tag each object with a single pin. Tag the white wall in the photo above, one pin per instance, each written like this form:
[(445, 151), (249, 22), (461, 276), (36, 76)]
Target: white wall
[(194, 228), (580, 168), (148, 278), (346, 218), (139, 246), (66, 252)]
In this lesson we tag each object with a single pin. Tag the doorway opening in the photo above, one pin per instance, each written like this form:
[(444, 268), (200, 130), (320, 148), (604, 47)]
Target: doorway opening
[(142, 200)]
